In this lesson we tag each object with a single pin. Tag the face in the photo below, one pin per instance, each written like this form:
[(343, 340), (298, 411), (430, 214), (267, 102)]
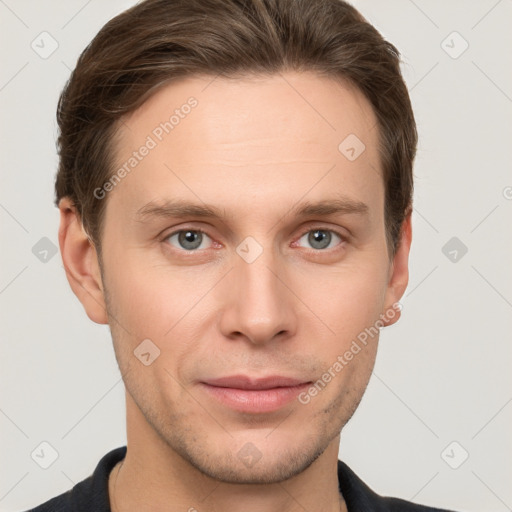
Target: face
[(249, 252)]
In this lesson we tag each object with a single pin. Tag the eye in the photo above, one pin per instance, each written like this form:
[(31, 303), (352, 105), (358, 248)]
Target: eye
[(321, 239), (188, 239)]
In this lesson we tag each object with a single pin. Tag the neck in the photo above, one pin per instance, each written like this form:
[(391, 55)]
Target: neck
[(153, 477)]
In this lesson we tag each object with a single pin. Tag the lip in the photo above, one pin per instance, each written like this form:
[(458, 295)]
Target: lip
[(254, 395)]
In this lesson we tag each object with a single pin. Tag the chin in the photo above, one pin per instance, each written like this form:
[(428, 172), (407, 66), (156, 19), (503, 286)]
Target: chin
[(258, 467)]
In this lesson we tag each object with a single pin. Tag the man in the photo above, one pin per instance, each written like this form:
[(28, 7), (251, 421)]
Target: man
[(235, 190)]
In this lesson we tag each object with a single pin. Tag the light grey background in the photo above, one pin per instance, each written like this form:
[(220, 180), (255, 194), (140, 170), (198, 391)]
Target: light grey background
[(442, 373)]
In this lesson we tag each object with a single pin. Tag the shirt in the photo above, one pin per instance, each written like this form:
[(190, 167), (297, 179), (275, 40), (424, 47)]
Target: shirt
[(91, 494)]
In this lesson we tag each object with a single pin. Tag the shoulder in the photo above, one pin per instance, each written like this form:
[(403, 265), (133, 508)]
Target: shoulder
[(90, 494), (398, 505), (358, 496)]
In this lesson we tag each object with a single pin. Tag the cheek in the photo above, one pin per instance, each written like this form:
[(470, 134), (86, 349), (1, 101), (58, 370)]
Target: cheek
[(168, 306), (346, 300), (151, 297)]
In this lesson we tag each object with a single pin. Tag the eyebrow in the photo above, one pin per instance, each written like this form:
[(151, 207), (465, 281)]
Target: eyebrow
[(179, 209)]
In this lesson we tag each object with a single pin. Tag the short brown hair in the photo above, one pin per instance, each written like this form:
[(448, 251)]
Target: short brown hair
[(157, 41)]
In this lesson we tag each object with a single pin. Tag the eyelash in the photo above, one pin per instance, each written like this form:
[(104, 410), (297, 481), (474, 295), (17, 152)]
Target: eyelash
[(343, 239)]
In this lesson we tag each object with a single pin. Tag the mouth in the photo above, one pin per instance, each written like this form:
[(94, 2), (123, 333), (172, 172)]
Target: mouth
[(254, 395)]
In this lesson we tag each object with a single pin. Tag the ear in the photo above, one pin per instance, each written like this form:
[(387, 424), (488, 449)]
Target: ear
[(398, 273), (81, 262)]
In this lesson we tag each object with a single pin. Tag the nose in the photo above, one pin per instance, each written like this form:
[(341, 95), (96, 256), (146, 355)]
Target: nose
[(257, 303)]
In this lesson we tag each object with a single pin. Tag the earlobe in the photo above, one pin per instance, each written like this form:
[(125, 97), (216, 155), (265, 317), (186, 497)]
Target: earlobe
[(81, 262), (399, 274)]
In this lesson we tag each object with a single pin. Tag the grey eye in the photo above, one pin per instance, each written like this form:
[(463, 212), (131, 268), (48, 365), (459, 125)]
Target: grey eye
[(320, 238), (188, 239)]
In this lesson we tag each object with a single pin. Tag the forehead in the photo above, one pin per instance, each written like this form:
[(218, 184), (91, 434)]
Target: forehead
[(258, 139), (232, 110)]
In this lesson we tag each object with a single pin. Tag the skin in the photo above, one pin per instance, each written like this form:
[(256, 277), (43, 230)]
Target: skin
[(255, 148)]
